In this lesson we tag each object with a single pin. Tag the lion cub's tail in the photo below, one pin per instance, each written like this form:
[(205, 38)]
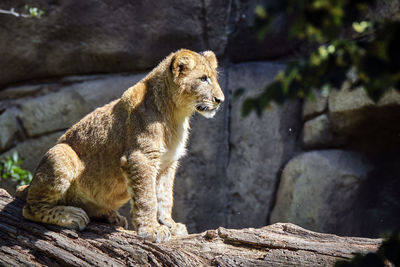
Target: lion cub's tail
[(22, 192)]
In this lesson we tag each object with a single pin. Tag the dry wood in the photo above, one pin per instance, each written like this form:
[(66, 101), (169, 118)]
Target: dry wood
[(24, 243)]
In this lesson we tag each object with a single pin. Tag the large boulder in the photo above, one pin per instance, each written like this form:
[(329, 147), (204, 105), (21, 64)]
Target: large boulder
[(320, 189), (340, 192)]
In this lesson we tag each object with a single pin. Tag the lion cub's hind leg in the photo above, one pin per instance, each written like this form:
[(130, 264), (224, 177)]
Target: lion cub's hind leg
[(47, 192), (116, 219), (113, 217), (67, 216)]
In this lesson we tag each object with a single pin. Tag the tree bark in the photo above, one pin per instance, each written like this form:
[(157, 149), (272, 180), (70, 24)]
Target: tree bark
[(25, 243)]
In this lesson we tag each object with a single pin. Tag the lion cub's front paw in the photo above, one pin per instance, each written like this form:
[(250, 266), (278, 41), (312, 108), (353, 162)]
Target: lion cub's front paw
[(178, 229), (157, 234)]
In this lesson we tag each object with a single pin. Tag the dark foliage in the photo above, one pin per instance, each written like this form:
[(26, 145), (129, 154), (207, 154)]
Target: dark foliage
[(369, 57)]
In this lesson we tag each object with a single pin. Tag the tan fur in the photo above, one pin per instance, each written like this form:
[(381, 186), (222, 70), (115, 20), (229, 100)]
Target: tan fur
[(127, 149)]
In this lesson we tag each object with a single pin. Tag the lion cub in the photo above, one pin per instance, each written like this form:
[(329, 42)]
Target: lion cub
[(127, 149)]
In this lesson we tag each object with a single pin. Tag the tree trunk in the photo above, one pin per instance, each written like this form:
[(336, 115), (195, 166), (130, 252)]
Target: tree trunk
[(25, 243)]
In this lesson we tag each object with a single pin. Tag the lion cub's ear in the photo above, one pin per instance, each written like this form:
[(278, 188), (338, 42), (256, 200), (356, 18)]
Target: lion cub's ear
[(182, 62), (211, 58)]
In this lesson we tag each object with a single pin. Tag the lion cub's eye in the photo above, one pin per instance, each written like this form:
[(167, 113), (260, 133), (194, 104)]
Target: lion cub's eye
[(204, 78)]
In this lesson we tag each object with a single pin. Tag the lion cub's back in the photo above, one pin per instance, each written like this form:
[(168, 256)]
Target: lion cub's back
[(100, 133)]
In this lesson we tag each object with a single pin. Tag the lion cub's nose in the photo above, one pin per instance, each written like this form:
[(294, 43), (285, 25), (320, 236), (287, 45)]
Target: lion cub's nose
[(219, 100)]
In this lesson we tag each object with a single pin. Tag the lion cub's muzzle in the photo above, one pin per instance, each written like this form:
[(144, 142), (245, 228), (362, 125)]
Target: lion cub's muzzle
[(209, 108)]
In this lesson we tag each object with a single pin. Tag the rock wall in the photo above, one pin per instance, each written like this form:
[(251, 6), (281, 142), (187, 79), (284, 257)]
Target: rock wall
[(328, 165), (86, 37)]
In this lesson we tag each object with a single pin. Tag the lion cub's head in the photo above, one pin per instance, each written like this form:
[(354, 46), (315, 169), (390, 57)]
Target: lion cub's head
[(195, 75)]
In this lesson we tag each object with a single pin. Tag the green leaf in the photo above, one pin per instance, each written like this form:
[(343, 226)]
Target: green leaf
[(10, 169), (288, 79), (247, 106)]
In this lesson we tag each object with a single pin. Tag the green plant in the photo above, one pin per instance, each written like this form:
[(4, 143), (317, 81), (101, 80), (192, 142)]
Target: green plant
[(34, 11), (10, 168)]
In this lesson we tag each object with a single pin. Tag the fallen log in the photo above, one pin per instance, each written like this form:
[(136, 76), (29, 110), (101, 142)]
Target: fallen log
[(25, 243)]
